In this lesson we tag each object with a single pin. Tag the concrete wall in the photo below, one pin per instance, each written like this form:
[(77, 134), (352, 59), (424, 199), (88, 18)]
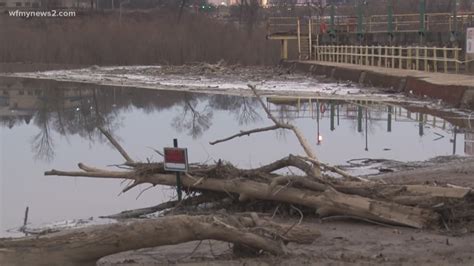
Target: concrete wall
[(457, 96)]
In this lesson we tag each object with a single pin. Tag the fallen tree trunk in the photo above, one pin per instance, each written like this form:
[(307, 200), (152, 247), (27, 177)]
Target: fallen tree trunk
[(85, 246), (327, 202), (192, 201), (413, 195)]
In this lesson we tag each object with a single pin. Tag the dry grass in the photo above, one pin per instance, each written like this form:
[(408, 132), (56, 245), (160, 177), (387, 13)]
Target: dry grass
[(141, 38)]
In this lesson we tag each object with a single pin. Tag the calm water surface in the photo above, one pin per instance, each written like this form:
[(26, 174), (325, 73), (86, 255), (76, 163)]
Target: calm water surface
[(53, 125)]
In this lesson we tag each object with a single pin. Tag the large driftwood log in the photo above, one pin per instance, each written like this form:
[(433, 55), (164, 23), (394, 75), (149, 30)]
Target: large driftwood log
[(325, 202), (413, 195), (191, 201), (85, 246)]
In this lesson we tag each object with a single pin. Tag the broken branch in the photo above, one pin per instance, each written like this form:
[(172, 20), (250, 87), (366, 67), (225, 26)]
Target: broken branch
[(117, 146), (334, 169), (245, 133)]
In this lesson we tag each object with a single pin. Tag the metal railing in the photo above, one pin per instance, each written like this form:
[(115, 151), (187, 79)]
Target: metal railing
[(289, 25), (430, 59), (411, 22), (374, 24)]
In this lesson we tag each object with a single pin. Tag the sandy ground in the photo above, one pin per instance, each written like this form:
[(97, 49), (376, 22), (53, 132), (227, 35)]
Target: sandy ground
[(345, 241), (341, 243)]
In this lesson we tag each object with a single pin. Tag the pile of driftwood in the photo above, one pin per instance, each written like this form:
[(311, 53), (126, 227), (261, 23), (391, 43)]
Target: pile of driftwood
[(317, 191)]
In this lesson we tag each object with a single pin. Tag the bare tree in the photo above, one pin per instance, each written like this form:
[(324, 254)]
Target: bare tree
[(181, 9), (248, 14)]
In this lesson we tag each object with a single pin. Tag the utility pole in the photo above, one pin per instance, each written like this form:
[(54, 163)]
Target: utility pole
[(390, 20), (332, 27), (120, 10), (422, 29), (360, 19), (454, 28)]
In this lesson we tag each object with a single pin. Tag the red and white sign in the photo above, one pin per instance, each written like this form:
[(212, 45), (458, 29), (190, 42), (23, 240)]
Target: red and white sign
[(470, 41), (176, 159)]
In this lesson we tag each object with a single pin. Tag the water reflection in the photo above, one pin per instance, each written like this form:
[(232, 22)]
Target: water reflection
[(56, 124), (243, 108), (192, 120), (80, 110), (367, 117)]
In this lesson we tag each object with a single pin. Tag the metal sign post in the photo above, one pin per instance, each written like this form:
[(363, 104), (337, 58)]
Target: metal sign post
[(178, 175), (470, 50), (176, 160)]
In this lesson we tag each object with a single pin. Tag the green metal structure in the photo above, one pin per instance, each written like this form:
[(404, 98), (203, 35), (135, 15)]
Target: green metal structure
[(454, 29), (332, 26), (422, 10), (360, 19), (390, 18)]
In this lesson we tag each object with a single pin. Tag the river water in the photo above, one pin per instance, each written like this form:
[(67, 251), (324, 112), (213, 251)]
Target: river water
[(54, 126)]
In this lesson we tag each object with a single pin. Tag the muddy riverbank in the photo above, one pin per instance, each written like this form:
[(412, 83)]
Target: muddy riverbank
[(346, 241)]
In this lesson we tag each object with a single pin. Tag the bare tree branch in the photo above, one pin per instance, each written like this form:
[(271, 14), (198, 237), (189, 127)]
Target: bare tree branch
[(246, 133), (303, 142), (190, 201), (117, 146), (299, 135), (334, 169)]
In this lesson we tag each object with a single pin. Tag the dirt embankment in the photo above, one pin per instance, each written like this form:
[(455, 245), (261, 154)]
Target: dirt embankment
[(346, 241), (341, 243), (441, 170)]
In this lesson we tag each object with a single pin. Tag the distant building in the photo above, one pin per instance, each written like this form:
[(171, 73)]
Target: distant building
[(18, 105), (67, 3), (46, 4), (263, 3), (20, 3)]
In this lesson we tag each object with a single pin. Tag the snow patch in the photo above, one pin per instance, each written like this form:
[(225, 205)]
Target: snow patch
[(150, 76)]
